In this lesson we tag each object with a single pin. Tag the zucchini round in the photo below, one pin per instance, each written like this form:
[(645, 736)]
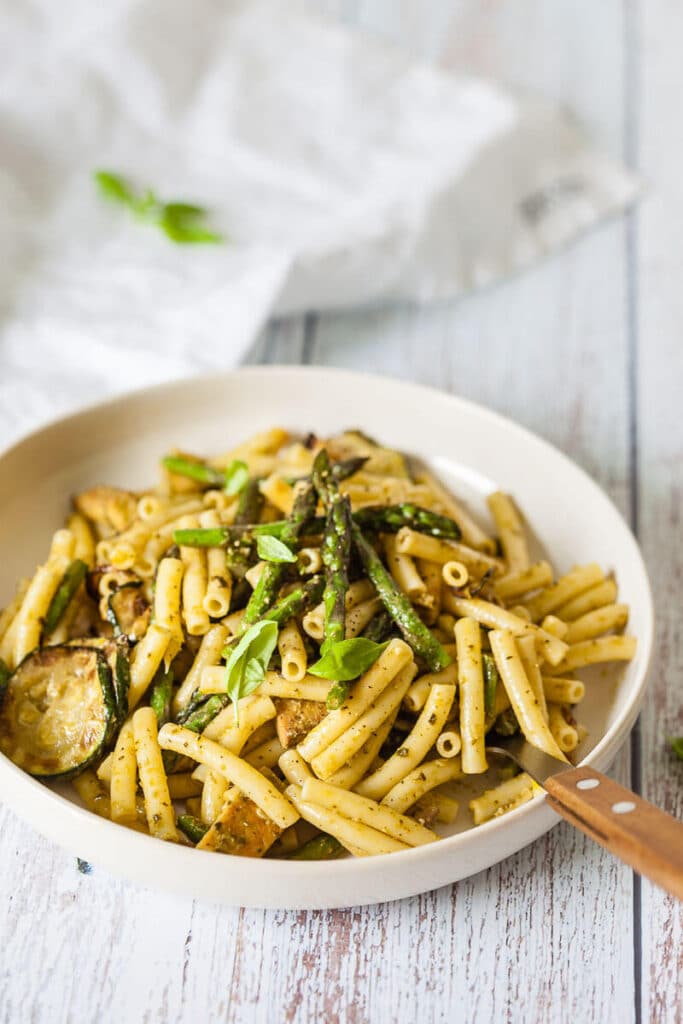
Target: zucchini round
[(59, 711)]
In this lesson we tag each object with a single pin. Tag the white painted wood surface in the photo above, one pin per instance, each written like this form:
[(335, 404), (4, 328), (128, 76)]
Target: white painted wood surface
[(586, 351)]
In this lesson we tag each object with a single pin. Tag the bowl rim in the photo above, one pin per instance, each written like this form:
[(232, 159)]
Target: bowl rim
[(600, 756)]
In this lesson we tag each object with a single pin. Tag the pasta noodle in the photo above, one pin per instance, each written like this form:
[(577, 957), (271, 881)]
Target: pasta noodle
[(510, 531), (413, 749), (471, 689)]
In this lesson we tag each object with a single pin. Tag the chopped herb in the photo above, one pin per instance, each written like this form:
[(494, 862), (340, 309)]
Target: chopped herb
[(270, 549), (181, 222)]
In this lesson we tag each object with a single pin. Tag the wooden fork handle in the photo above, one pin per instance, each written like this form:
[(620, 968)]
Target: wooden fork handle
[(634, 830)]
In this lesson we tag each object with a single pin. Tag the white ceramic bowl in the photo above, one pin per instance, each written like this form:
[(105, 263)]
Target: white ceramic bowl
[(474, 450)]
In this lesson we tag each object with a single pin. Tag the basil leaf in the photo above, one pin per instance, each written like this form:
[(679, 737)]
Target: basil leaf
[(182, 222), (113, 186), (247, 662), (676, 745), (186, 234), (270, 549), (347, 659), (183, 212), (236, 477)]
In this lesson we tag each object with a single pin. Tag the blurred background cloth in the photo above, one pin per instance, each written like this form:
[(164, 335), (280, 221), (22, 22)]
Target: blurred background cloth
[(341, 171)]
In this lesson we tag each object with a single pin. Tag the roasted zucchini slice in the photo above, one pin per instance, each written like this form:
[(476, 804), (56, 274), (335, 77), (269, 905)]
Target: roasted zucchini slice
[(58, 714), (128, 611)]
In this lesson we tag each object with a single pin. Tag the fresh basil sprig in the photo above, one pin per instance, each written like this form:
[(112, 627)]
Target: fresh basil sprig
[(247, 662), (347, 659), (676, 743), (270, 549), (181, 222)]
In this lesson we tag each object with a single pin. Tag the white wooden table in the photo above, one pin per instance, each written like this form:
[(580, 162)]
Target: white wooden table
[(587, 351)]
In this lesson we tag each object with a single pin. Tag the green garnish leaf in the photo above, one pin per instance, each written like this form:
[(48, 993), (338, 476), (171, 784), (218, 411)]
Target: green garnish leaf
[(179, 230), (270, 549), (347, 659), (181, 222), (113, 186), (676, 743), (183, 212), (247, 662), (236, 477)]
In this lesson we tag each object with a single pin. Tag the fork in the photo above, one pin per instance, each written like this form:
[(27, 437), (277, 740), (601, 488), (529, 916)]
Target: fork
[(635, 831)]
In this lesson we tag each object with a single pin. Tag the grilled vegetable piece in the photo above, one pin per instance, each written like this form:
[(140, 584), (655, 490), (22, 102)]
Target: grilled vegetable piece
[(71, 581), (414, 631), (196, 716), (336, 548), (59, 711), (111, 507), (240, 551), (160, 697), (202, 710), (490, 683), (297, 601), (128, 611), (271, 578), (241, 828), (295, 719), (322, 847), (391, 518), (240, 537), (379, 628), (192, 827), (117, 654), (195, 469)]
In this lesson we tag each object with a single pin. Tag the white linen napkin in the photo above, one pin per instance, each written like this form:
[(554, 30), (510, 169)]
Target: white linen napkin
[(342, 171)]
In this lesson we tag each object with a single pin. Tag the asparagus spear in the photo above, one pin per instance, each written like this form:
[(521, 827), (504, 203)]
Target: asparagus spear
[(490, 683), (202, 710), (160, 697), (70, 582), (391, 518), (336, 548), (194, 829), (194, 470), (266, 589), (322, 847), (415, 633), (239, 552), (379, 518), (297, 601), (379, 628), (236, 538)]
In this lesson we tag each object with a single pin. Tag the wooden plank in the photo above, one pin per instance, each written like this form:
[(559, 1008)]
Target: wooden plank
[(660, 462)]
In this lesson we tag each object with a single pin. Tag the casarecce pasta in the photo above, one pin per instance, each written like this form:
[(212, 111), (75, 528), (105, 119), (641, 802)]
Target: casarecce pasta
[(295, 649)]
